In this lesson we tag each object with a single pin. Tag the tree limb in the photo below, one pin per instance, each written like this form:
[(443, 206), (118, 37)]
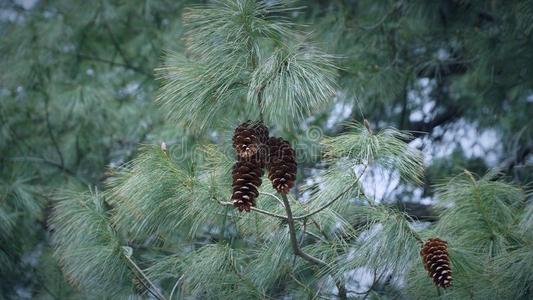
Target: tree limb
[(420, 128), (294, 240), (298, 251)]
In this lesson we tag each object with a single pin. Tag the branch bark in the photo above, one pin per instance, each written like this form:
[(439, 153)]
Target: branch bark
[(294, 240), (298, 251), (420, 128)]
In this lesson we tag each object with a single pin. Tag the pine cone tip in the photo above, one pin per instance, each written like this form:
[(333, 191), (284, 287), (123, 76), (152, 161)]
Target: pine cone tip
[(248, 137)]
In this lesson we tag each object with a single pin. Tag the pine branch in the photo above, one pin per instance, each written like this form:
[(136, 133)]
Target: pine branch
[(298, 251), (294, 240), (114, 63), (255, 209), (304, 217)]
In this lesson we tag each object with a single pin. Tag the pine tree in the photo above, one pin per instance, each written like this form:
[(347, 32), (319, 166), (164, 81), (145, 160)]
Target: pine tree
[(75, 99), (158, 221)]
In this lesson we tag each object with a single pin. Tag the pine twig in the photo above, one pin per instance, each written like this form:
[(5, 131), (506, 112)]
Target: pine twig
[(227, 203), (273, 196), (175, 286), (316, 236), (268, 213), (319, 228), (303, 217), (57, 165), (302, 236), (143, 278)]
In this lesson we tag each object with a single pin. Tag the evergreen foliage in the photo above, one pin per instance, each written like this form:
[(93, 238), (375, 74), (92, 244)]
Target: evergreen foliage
[(265, 59), (87, 213), (84, 238)]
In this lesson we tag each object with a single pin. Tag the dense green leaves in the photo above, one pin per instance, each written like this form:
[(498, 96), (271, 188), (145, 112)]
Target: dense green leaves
[(87, 247), (77, 98), (488, 248), (386, 148), (243, 59), (491, 207)]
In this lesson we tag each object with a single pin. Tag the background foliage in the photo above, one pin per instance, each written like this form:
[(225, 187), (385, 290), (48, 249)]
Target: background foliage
[(85, 212)]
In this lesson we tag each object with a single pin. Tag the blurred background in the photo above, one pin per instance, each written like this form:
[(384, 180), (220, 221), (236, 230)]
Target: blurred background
[(77, 90)]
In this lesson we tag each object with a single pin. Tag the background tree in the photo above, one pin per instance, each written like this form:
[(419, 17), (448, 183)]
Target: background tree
[(76, 92), (78, 99)]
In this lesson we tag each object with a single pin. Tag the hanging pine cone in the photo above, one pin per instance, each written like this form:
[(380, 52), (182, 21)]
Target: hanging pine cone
[(246, 180), (436, 262), (281, 165), (248, 137)]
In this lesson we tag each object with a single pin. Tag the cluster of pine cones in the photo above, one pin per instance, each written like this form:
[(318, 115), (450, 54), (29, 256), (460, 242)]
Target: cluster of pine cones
[(255, 151)]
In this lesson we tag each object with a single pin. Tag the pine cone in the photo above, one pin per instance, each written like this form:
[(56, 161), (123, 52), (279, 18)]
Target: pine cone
[(436, 262), (248, 137), (281, 165), (246, 179)]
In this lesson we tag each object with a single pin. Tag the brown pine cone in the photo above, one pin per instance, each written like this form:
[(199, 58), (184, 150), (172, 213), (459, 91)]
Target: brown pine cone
[(436, 262), (281, 165), (246, 180), (248, 137)]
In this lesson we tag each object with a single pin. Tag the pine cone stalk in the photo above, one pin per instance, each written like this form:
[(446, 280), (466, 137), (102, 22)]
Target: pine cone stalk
[(436, 262)]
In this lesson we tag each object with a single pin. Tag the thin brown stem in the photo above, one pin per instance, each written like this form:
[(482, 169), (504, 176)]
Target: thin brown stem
[(333, 200), (273, 196), (298, 251), (115, 64), (316, 236), (256, 209), (319, 228), (294, 240)]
